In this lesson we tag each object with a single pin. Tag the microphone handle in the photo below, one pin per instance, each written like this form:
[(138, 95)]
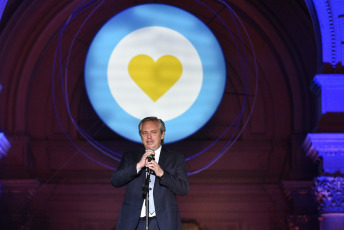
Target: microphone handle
[(151, 157)]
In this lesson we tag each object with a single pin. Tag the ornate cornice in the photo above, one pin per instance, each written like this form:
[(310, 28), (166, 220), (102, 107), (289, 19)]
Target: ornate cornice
[(329, 147), (329, 192), (324, 144)]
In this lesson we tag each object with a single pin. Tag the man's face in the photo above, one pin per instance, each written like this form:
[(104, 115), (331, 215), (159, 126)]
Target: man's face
[(150, 135)]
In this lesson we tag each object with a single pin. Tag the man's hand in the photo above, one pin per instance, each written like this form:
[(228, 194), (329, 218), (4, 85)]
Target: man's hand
[(142, 162), (155, 167)]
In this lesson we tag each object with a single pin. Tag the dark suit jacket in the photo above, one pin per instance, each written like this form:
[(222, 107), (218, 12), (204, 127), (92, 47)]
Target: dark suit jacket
[(174, 182)]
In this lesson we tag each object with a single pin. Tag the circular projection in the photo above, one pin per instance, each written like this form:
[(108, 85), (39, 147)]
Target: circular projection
[(155, 60)]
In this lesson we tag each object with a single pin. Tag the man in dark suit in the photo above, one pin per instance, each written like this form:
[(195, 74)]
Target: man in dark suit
[(169, 172)]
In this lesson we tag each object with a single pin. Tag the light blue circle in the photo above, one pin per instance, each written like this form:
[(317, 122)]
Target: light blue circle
[(193, 29)]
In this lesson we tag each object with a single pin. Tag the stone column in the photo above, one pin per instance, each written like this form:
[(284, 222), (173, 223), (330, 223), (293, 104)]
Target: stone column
[(328, 148)]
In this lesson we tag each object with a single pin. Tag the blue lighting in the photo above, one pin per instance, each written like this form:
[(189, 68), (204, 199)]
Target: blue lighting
[(4, 145), (331, 23), (332, 92), (2, 7)]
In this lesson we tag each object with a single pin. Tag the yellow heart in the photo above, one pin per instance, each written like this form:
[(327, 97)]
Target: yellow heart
[(155, 78)]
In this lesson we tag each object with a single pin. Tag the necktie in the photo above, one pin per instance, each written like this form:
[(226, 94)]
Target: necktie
[(151, 198)]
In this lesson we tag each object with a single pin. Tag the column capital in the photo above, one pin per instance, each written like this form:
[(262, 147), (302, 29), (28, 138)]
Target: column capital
[(329, 192)]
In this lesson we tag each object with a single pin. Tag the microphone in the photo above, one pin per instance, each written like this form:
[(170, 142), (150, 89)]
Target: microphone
[(151, 157)]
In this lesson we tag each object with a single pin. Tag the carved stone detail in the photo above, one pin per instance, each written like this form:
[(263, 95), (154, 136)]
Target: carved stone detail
[(329, 192)]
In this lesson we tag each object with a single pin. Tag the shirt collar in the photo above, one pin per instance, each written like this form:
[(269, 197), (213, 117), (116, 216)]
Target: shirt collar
[(157, 153)]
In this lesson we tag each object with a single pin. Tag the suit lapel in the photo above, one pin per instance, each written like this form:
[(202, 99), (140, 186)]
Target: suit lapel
[(139, 154), (163, 157)]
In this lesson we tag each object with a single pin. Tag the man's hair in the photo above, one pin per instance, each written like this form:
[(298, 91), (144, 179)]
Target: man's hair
[(161, 125)]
